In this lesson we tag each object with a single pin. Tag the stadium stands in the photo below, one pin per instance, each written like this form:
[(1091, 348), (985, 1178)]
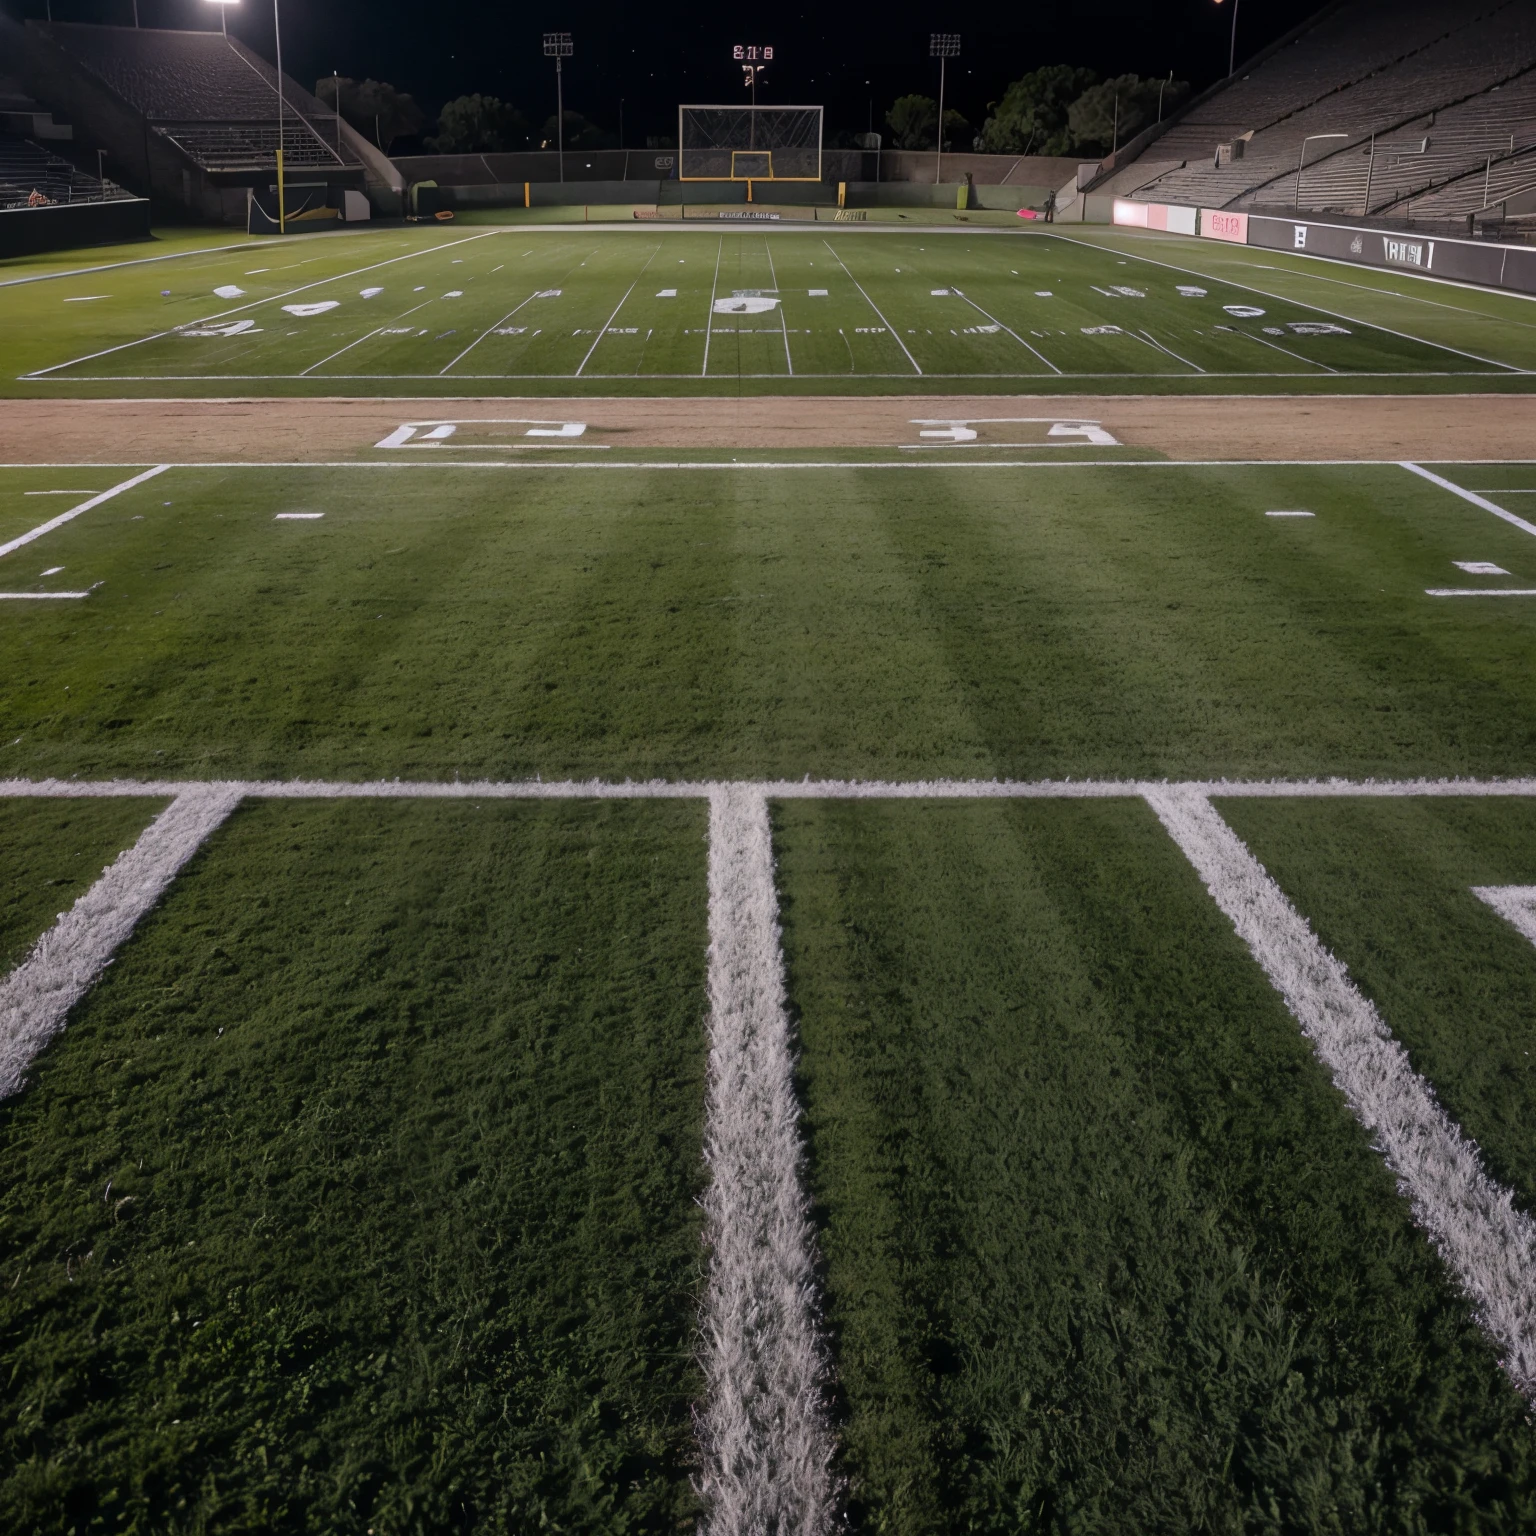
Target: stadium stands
[(193, 117), (29, 172), (1397, 106)]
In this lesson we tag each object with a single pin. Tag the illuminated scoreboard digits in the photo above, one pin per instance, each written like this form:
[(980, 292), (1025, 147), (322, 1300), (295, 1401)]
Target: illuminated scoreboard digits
[(752, 53)]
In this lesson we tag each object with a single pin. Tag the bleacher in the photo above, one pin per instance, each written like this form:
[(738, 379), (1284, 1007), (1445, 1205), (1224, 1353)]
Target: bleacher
[(1447, 92), (208, 94), (28, 171)]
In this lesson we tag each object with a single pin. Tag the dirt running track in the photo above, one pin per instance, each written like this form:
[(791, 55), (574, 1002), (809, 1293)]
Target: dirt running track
[(1210, 427)]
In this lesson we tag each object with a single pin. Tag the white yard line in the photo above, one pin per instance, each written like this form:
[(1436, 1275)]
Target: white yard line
[(1516, 904), (487, 331), (85, 506), (1466, 495), (883, 321), (1486, 1243), (773, 277), (763, 1427), (37, 597), (276, 298), (960, 294), (36, 997), (1277, 298), (1232, 330), (1480, 591), (602, 330), (709, 319), (1150, 340)]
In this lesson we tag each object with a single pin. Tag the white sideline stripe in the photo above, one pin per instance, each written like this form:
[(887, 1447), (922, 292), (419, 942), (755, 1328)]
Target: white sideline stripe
[(775, 789), (1515, 903), (85, 506), (763, 1429), (1466, 495), (36, 997), (26, 597), (1490, 1246), (1480, 591)]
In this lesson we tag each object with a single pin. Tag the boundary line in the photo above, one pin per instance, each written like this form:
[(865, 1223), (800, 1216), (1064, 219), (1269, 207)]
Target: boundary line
[(1466, 495), (566, 378), (1469, 1216), (763, 1427), (36, 997), (224, 314), (1276, 298), (85, 506)]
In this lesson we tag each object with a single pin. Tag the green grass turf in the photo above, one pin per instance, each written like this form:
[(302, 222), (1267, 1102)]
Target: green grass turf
[(936, 310), (852, 622), (1387, 886), (1103, 1249), (50, 852), (360, 1194), (29, 497)]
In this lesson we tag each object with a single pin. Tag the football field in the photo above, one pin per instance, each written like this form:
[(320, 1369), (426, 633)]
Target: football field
[(974, 980), (653, 308)]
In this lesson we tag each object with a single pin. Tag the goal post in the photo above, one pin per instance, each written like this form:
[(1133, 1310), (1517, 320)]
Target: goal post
[(738, 143)]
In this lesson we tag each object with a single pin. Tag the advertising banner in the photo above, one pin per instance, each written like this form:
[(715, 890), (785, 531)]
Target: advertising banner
[(1218, 224)]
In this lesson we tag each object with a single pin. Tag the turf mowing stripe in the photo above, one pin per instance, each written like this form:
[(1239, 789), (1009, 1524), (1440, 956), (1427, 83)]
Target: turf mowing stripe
[(85, 506), (1466, 495), (36, 997), (886, 323), (763, 1427), (1487, 1244), (1515, 903)]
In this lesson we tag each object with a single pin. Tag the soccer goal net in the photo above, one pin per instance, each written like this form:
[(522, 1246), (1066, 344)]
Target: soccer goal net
[(749, 143)]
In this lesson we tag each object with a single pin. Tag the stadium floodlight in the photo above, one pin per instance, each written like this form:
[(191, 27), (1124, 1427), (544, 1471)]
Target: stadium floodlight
[(557, 46), (1232, 46), (1303, 160), (942, 46), (223, 6)]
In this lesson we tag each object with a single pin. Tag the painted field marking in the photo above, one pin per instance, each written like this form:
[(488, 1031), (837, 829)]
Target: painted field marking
[(256, 303), (959, 294), (952, 431), (709, 318), (763, 1427), (23, 597), (58, 493), (764, 1424), (1480, 591), (36, 997), (1297, 513), (1471, 1219), (1466, 495), (297, 517), (85, 506), (603, 329), (1516, 904), (886, 323), (1232, 330), (773, 277), (1276, 298), (436, 434), (1480, 567)]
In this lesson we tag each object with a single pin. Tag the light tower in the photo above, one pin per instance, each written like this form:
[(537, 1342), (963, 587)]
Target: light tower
[(557, 46), (942, 46)]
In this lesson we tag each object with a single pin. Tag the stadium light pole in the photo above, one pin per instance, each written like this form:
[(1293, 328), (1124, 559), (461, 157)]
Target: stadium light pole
[(1303, 160), (942, 46), (1232, 46), (557, 46)]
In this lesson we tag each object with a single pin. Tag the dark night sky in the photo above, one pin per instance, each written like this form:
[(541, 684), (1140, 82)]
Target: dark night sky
[(655, 56)]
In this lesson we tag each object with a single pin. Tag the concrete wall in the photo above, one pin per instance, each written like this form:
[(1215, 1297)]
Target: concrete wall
[(26, 231)]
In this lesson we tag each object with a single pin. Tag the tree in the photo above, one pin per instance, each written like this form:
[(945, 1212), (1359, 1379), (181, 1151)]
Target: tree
[(1032, 117), (471, 124), (374, 107), (1116, 110), (912, 120), (580, 133)]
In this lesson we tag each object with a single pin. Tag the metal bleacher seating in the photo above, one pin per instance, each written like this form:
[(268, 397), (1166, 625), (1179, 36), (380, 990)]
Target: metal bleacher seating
[(1430, 101), (28, 171), (208, 94)]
